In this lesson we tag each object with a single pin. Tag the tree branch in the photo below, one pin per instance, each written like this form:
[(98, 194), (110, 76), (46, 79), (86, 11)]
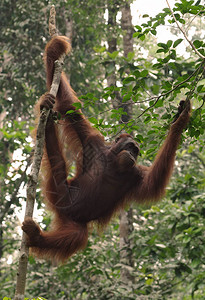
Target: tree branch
[(170, 91), (184, 33), (33, 177)]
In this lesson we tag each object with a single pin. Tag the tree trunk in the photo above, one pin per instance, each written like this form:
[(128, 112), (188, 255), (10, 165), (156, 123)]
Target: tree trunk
[(126, 219), (112, 46)]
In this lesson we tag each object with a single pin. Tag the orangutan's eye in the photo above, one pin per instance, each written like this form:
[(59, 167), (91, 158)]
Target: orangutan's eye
[(117, 139)]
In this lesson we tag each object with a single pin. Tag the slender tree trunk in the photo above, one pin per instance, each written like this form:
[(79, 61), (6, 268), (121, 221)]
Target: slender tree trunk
[(126, 218), (1, 245), (5, 162), (126, 24), (112, 46)]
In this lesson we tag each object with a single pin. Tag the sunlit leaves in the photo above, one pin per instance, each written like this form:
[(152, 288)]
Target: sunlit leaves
[(113, 55), (99, 49)]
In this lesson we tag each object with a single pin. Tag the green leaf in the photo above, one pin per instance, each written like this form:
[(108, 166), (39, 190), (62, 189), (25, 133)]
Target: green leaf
[(148, 119), (155, 208), (159, 103), (173, 54), (144, 73), (149, 281), (153, 31), (136, 34), (152, 240), (198, 43), (128, 80), (71, 111), (169, 43), (131, 55), (177, 42), (77, 105), (182, 21), (150, 150), (99, 49), (138, 27), (161, 50), (93, 120), (166, 59), (113, 55), (137, 73), (201, 89), (162, 45), (197, 133), (127, 97), (155, 88), (139, 138), (142, 37)]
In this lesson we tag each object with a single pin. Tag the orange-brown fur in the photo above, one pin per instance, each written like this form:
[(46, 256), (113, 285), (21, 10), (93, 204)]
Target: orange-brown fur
[(107, 176)]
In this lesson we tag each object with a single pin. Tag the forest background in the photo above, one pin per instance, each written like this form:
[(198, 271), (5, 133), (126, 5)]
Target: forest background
[(129, 77)]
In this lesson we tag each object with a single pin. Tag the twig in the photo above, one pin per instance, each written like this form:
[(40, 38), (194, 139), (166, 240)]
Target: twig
[(148, 108), (193, 19), (170, 91), (195, 82), (152, 98), (33, 177), (196, 72), (157, 98), (184, 33), (179, 84)]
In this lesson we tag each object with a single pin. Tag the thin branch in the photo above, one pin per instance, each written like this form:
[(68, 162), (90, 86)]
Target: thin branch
[(196, 72), (33, 177), (193, 19), (167, 93), (184, 33), (148, 108), (153, 97), (157, 99), (194, 85), (173, 89)]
